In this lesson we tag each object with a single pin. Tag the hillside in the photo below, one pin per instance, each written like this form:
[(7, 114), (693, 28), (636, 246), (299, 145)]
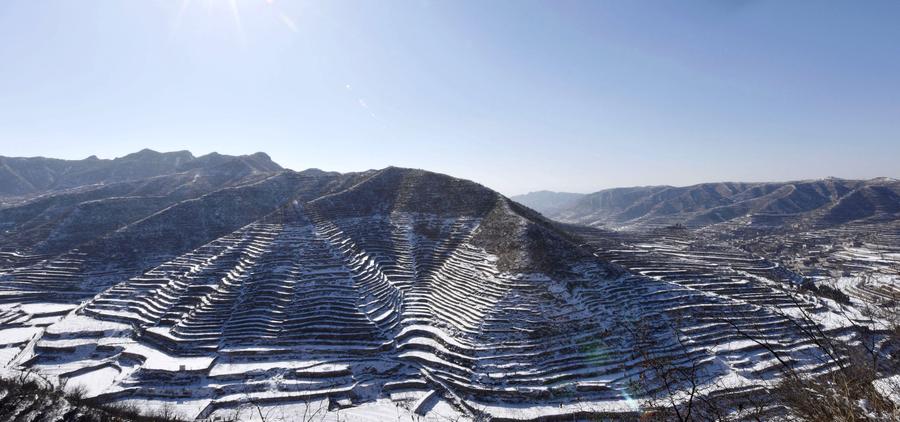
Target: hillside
[(119, 228)]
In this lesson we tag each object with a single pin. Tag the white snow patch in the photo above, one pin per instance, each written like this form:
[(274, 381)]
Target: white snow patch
[(17, 335), (96, 381)]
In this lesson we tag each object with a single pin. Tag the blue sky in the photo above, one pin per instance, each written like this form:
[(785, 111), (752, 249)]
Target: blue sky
[(518, 95)]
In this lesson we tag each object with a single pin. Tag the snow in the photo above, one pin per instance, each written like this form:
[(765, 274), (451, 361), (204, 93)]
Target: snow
[(7, 355), (18, 335), (530, 412), (84, 325), (95, 381), (317, 410), (184, 408), (384, 410), (46, 308), (162, 361), (889, 387), (237, 368)]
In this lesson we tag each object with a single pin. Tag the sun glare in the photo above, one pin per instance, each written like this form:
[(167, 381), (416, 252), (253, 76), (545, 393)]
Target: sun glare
[(234, 10)]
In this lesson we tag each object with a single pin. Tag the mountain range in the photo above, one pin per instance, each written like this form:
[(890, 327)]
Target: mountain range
[(227, 286), (37, 175), (815, 203)]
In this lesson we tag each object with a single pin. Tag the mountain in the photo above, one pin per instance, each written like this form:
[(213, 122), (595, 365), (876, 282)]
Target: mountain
[(96, 197), (809, 203), (381, 294), (24, 177), (547, 202)]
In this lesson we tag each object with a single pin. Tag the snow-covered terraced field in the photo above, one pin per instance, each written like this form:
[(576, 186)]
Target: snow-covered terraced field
[(40, 280), (403, 315), (861, 259)]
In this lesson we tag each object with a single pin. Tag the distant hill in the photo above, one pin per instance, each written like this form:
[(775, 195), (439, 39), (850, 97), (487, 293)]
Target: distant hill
[(34, 175), (547, 202), (810, 202)]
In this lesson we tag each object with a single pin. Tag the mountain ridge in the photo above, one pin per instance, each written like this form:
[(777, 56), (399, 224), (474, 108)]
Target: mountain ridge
[(547, 202), (813, 202), (24, 176)]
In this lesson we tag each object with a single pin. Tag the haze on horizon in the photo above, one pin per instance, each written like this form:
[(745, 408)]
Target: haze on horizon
[(517, 95)]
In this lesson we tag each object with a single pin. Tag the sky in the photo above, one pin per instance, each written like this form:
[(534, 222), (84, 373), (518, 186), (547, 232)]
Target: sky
[(518, 95)]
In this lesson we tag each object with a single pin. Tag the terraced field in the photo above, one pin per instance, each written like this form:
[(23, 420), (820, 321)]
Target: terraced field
[(404, 308), (862, 260), (410, 295)]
